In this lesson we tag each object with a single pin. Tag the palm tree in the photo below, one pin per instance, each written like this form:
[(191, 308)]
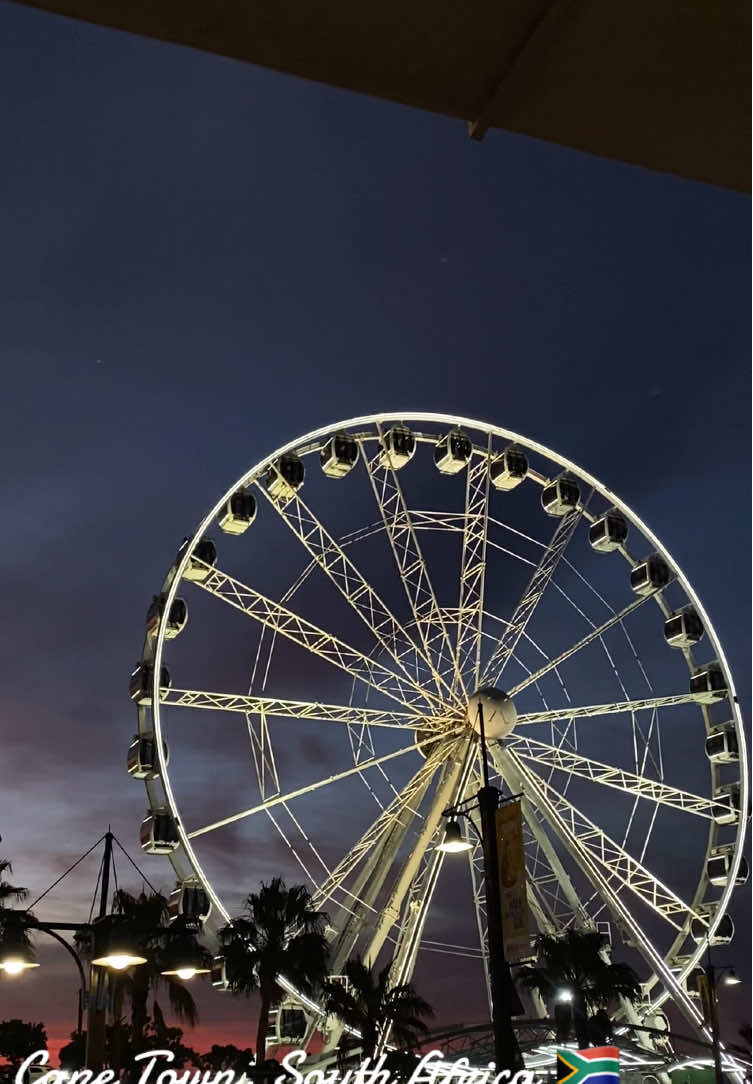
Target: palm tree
[(575, 961), (368, 1003), (9, 891), (146, 920), (280, 933)]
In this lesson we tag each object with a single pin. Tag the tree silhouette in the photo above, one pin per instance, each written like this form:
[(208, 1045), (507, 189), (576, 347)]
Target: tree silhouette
[(280, 933), (369, 1003), (19, 1038), (575, 961)]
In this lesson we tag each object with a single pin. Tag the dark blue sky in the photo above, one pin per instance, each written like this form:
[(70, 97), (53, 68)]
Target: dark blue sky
[(201, 260)]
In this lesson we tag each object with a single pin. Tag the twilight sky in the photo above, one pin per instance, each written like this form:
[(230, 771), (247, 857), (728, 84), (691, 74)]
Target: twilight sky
[(200, 261)]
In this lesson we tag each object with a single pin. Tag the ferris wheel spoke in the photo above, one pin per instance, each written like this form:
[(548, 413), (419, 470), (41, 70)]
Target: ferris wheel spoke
[(531, 597), (594, 634), (639, 786), (340, 569), (618, 708), (587, 859), (413, 571), (450, 786), (408, 799), (473, 566), (301, 792), (293, 709), (314, 639), (614, 861)]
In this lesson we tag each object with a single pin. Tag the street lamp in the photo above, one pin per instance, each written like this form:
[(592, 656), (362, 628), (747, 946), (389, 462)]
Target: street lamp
[(565, 996), (185, 961), (454, 841), (15, 960), (708, 985), (115, 946), (488, 800)]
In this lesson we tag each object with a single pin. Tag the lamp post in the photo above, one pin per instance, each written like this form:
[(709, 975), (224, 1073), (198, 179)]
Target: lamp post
[(503, 994), (113, 949), (712, 974)]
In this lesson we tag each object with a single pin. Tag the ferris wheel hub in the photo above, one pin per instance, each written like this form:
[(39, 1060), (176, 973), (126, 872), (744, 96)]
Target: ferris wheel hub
[(499, 713)]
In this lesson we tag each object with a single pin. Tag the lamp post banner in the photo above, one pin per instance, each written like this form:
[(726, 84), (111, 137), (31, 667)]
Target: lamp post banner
[(512, 882)]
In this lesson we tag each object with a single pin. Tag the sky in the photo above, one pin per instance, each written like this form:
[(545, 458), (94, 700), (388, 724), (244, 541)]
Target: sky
[(202, 260)]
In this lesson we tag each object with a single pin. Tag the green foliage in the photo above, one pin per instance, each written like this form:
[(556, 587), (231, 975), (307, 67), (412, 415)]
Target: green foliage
[(370, 1002), (19, 1038), (279, 933)]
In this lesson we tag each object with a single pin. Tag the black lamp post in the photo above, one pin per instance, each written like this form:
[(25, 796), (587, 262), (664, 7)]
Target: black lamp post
[(504, 996), (710, 1002)]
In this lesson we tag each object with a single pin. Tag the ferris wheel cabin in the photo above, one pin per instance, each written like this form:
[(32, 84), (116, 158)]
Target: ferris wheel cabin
[(140, 685), (159, 833), (190, 903), (683, 629), (142, 761), (398, 447), (727, 803), (721, 744), (722, 935), (560, 496), (719, 866), (285, 477), (201, 561), (608, 532), (708, 684), (339, 455), (176, 619), (452, 452), (239, 513), (650, 575), (508, 469)]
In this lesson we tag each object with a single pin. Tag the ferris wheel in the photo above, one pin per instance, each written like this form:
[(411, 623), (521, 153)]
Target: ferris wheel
[(348, 595)]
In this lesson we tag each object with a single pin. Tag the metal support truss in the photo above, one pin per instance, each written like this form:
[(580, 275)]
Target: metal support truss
[(389, 633), (554, 757), (413, 569), (295, 709), (315, 640), (473, 567), (531, 597)]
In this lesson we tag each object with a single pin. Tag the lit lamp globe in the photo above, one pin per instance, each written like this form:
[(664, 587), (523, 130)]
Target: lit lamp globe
[(454, 841), (116, 949), (498, 711), (186, 962), (14, 959)]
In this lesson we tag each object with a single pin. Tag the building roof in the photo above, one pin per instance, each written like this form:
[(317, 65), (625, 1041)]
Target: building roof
[(660, 84)]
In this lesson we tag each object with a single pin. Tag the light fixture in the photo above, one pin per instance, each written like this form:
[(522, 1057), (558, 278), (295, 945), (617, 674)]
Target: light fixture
[(115, 946), (564, 995), (16, 953), (454, 841), (185, 961), (731, 978), (14, 961)]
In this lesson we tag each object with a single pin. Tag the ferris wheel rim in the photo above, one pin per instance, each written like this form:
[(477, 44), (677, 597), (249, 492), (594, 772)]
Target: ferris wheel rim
[(175, 576)]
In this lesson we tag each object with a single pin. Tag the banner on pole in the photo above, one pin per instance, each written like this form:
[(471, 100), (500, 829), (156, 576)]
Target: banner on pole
[(512, 882)]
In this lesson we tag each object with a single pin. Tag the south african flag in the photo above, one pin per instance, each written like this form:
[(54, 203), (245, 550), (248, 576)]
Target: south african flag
[(599, 1065)]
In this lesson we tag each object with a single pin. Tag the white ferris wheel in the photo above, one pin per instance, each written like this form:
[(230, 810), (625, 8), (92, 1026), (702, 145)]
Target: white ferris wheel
[(347, 596)]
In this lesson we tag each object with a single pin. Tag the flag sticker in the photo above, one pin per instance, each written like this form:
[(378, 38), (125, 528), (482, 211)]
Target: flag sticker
[(598, 1065)]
